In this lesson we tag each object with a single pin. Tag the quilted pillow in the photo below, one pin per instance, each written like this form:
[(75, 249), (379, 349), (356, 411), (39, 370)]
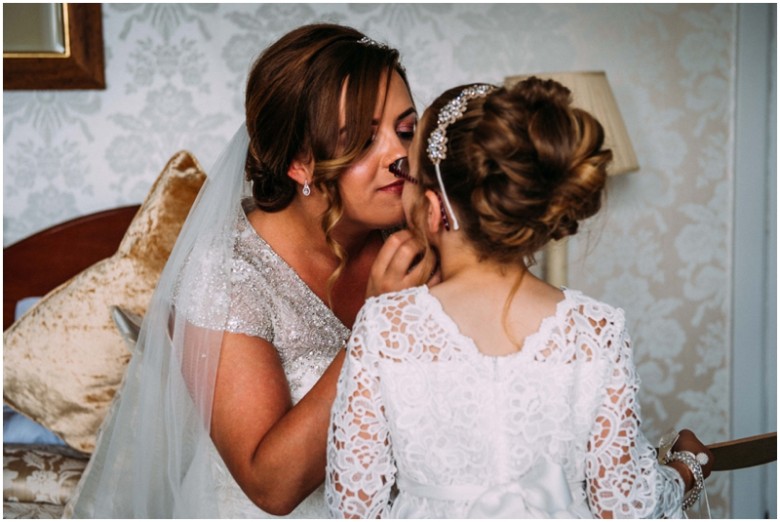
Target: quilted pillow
[(32, 510), (41, 473), (64, 359)]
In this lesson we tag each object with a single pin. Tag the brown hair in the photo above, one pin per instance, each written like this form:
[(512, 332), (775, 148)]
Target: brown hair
[(293, 99), (523, 167)]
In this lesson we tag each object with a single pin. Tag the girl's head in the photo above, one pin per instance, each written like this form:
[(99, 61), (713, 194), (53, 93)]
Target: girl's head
[(312, 97), (521, 167)]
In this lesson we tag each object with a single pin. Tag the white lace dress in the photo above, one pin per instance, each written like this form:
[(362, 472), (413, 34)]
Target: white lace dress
[(426, 426)]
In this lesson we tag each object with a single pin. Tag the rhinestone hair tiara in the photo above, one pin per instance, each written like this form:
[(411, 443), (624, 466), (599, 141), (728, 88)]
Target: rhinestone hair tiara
[(370, 42), (437, 141)]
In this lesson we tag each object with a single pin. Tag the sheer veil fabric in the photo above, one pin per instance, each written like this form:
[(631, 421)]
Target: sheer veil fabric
[(154, 453)]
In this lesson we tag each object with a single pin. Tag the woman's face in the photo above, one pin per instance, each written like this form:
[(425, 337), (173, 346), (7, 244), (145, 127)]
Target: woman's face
[(370, 193)]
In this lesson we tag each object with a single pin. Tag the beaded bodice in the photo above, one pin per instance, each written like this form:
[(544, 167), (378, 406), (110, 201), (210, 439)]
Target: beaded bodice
[(267, 299)]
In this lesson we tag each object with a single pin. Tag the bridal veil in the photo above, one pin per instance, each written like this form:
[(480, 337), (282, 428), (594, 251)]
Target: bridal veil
[(154, 452)]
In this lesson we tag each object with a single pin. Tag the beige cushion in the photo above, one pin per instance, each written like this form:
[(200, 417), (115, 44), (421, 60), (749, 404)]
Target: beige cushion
[(64, 359)]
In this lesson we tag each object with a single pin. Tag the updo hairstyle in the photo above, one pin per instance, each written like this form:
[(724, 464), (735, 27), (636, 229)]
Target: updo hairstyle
[(523, 167)]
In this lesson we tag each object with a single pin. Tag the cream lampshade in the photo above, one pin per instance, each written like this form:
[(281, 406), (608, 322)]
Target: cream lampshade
[(590, 92)]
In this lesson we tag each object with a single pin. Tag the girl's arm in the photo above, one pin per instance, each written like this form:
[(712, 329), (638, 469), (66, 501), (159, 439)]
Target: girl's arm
[(624, 478), (361, 470)]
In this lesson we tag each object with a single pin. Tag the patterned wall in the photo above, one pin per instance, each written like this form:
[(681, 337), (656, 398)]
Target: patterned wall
[(660, 250)]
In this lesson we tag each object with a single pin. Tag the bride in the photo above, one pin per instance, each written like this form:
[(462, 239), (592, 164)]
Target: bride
[(225, 404)]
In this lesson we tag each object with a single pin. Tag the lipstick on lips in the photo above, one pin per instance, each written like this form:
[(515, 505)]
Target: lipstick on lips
[(395, 187)]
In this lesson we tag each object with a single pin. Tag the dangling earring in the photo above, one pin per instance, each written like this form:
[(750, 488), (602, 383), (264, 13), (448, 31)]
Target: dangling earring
[(306, 189)]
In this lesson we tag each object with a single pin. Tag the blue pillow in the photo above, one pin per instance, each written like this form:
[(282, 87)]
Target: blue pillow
[(18, 429)]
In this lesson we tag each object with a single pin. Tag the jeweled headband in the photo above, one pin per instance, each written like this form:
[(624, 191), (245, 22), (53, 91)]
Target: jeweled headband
[(437, 141)]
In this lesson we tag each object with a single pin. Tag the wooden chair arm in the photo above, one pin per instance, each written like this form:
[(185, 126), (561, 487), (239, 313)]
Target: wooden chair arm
[(745, 452)]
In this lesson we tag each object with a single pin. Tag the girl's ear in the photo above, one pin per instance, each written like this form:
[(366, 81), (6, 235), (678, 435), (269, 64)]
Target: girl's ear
[(434, 212)]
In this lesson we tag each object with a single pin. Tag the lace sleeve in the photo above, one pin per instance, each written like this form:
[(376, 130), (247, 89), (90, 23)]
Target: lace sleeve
[(623, 475), (360, 470)]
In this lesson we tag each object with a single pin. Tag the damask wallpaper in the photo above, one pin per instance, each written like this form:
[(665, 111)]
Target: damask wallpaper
[(660, 248)]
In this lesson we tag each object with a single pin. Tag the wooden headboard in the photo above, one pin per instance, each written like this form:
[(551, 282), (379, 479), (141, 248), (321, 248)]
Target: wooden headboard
[(39, 263)]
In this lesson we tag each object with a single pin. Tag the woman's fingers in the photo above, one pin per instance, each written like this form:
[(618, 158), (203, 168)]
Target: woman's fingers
[(388, 250), (394, 267), (425, 270)]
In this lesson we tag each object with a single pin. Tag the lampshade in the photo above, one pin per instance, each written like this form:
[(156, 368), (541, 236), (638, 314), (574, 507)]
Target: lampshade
[(591, 92)]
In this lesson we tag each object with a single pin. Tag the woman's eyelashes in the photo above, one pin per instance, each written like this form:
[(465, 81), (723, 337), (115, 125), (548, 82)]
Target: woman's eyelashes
[(406, 135), (406, 129)]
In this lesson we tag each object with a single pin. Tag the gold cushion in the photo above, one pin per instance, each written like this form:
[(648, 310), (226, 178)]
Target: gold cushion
[(64, 359)]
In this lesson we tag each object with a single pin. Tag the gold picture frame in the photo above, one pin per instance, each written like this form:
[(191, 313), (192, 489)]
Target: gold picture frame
[(81, 66)]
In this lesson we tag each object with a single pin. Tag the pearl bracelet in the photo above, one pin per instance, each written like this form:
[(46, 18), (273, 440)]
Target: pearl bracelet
[(690, 460)]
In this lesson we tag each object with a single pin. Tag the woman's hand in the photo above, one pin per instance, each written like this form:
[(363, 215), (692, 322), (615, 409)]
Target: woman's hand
[(399, 265)]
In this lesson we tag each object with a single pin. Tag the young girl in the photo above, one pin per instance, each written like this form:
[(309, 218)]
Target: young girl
[(494, 394)]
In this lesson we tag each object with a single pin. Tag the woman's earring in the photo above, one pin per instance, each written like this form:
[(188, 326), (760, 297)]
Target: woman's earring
[(306, 189)]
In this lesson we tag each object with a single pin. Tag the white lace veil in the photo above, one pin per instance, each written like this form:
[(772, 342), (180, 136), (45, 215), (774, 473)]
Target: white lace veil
[(153, 456)]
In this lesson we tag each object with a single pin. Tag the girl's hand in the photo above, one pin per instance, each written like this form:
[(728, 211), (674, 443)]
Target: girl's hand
[(401, 263), (689, 442)]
